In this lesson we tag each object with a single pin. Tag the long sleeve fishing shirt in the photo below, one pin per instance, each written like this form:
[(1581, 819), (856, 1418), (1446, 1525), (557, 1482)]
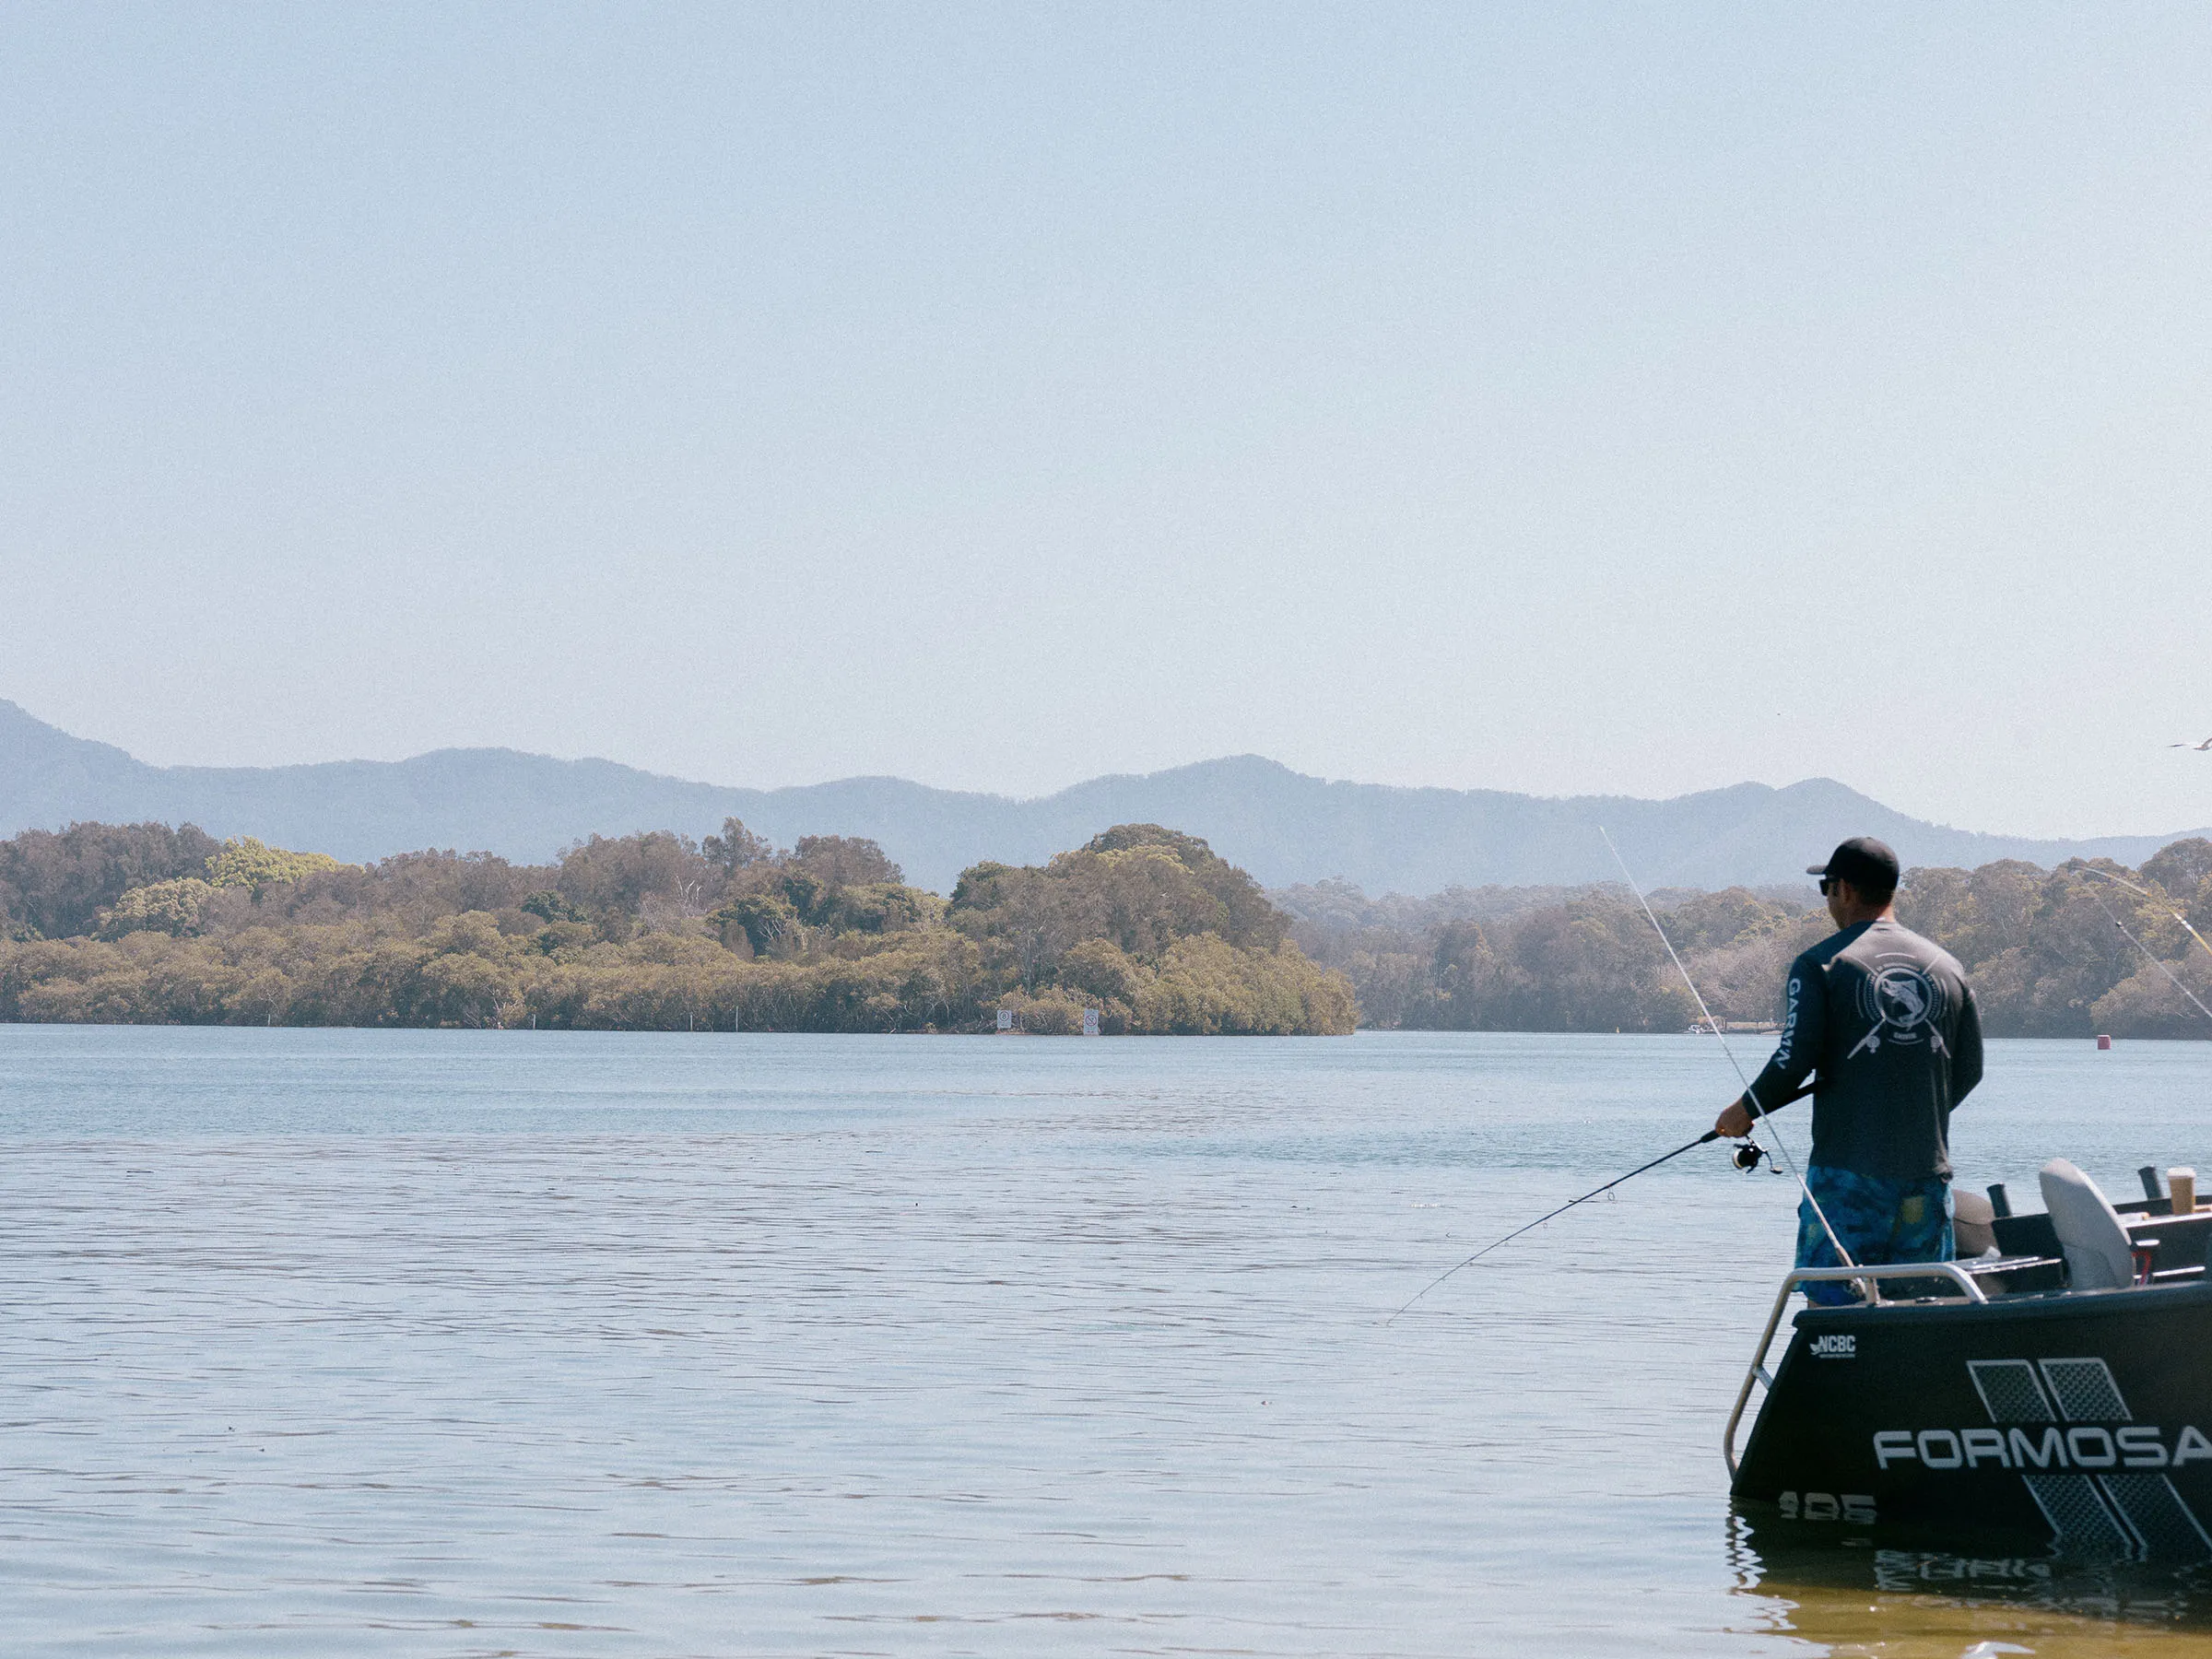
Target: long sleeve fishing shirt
[(1890, 1022)]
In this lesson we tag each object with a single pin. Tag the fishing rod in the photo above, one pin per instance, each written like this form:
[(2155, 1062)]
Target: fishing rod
[(2156, 960), (1758, 1110), (2132, 887), (1709, 1135)]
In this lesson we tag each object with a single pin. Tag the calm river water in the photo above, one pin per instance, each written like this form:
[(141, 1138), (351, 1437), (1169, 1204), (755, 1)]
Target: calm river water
[(445, 1342)]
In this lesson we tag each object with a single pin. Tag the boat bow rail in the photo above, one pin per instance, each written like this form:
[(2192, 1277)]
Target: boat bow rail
[(1869, 1281)]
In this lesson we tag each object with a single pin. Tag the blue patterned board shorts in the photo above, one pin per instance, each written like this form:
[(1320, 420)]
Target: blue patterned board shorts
[(1877, 1220)]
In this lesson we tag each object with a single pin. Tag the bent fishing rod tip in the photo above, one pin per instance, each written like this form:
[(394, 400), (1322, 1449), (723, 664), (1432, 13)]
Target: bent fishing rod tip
[(1705, 1139)]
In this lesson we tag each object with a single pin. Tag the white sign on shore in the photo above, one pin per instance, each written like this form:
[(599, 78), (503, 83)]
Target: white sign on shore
[(1005, 1019), (1090, 1022)]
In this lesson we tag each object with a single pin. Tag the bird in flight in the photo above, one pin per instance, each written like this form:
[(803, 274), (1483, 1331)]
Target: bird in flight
[(2207, 744)]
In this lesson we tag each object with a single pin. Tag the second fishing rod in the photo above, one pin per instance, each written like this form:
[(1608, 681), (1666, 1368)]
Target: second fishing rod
[(1747, 1154)]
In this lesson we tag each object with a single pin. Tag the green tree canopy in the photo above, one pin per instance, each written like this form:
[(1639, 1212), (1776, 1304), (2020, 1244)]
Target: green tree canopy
[(244, 862), (54, 885)]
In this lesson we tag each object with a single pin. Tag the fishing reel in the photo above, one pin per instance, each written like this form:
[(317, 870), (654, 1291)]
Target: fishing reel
[(1749, 1155)]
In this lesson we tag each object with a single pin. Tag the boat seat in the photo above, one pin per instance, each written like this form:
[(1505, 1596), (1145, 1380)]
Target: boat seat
[(1973, 1226), (2089, 1230)]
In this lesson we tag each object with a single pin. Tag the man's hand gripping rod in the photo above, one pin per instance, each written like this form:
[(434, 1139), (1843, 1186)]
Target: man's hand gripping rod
[(1758, 1110), (1710, 1135)]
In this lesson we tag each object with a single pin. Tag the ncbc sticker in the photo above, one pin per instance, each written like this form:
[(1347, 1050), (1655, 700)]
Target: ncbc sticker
[(1834, 1346)]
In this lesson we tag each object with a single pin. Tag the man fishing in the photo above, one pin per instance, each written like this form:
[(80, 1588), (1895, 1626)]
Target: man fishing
[(1890, 1022)]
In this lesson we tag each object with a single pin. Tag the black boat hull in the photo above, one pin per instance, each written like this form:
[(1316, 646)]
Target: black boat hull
[(2081, 1422)]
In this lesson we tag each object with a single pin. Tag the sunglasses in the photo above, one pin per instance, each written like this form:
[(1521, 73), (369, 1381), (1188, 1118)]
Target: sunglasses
[(1827, 882)]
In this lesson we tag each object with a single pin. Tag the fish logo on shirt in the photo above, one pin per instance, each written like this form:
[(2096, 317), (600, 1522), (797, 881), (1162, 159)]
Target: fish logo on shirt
[(1903, 1005)]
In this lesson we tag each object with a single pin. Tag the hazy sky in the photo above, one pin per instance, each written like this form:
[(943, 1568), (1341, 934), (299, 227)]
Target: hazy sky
[(1624, 399)]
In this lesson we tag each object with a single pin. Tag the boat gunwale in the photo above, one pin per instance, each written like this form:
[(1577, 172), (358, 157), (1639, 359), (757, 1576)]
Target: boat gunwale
[(2028, 1305)]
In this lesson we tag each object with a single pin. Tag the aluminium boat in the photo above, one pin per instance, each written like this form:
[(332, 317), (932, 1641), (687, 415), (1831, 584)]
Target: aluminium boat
[(2055, 1391)]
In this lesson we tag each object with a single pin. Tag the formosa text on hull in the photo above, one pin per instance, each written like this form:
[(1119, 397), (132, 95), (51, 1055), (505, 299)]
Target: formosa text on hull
[(2057, 1388)]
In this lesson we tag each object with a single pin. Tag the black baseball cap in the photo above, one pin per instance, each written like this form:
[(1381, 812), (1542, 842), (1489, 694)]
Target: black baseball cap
[(1868, 864)]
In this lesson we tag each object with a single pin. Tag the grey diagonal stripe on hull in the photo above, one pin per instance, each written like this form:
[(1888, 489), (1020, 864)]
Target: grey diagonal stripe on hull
[(2084, 1391), (2149, 1504), (2009, 1391), (2078, 1515), (2165, 1523), (2071, 1503)]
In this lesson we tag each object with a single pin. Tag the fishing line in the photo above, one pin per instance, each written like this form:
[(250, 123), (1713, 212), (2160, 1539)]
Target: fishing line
[(2132, 887), (2146, 949), (1710, 1135), (1758, 1110)]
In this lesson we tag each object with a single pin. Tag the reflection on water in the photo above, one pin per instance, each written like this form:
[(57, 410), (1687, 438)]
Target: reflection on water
[(466, 1343), (1879, 1595)]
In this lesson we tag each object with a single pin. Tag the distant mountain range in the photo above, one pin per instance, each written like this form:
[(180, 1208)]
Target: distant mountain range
[(1278, 824)]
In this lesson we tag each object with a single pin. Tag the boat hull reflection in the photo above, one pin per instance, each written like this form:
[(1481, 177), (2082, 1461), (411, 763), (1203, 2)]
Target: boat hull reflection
[(1879, 1592)]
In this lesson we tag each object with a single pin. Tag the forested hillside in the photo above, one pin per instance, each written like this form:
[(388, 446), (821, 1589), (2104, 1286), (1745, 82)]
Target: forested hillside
[(143, 924), (2044, 956), (147, 923)]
